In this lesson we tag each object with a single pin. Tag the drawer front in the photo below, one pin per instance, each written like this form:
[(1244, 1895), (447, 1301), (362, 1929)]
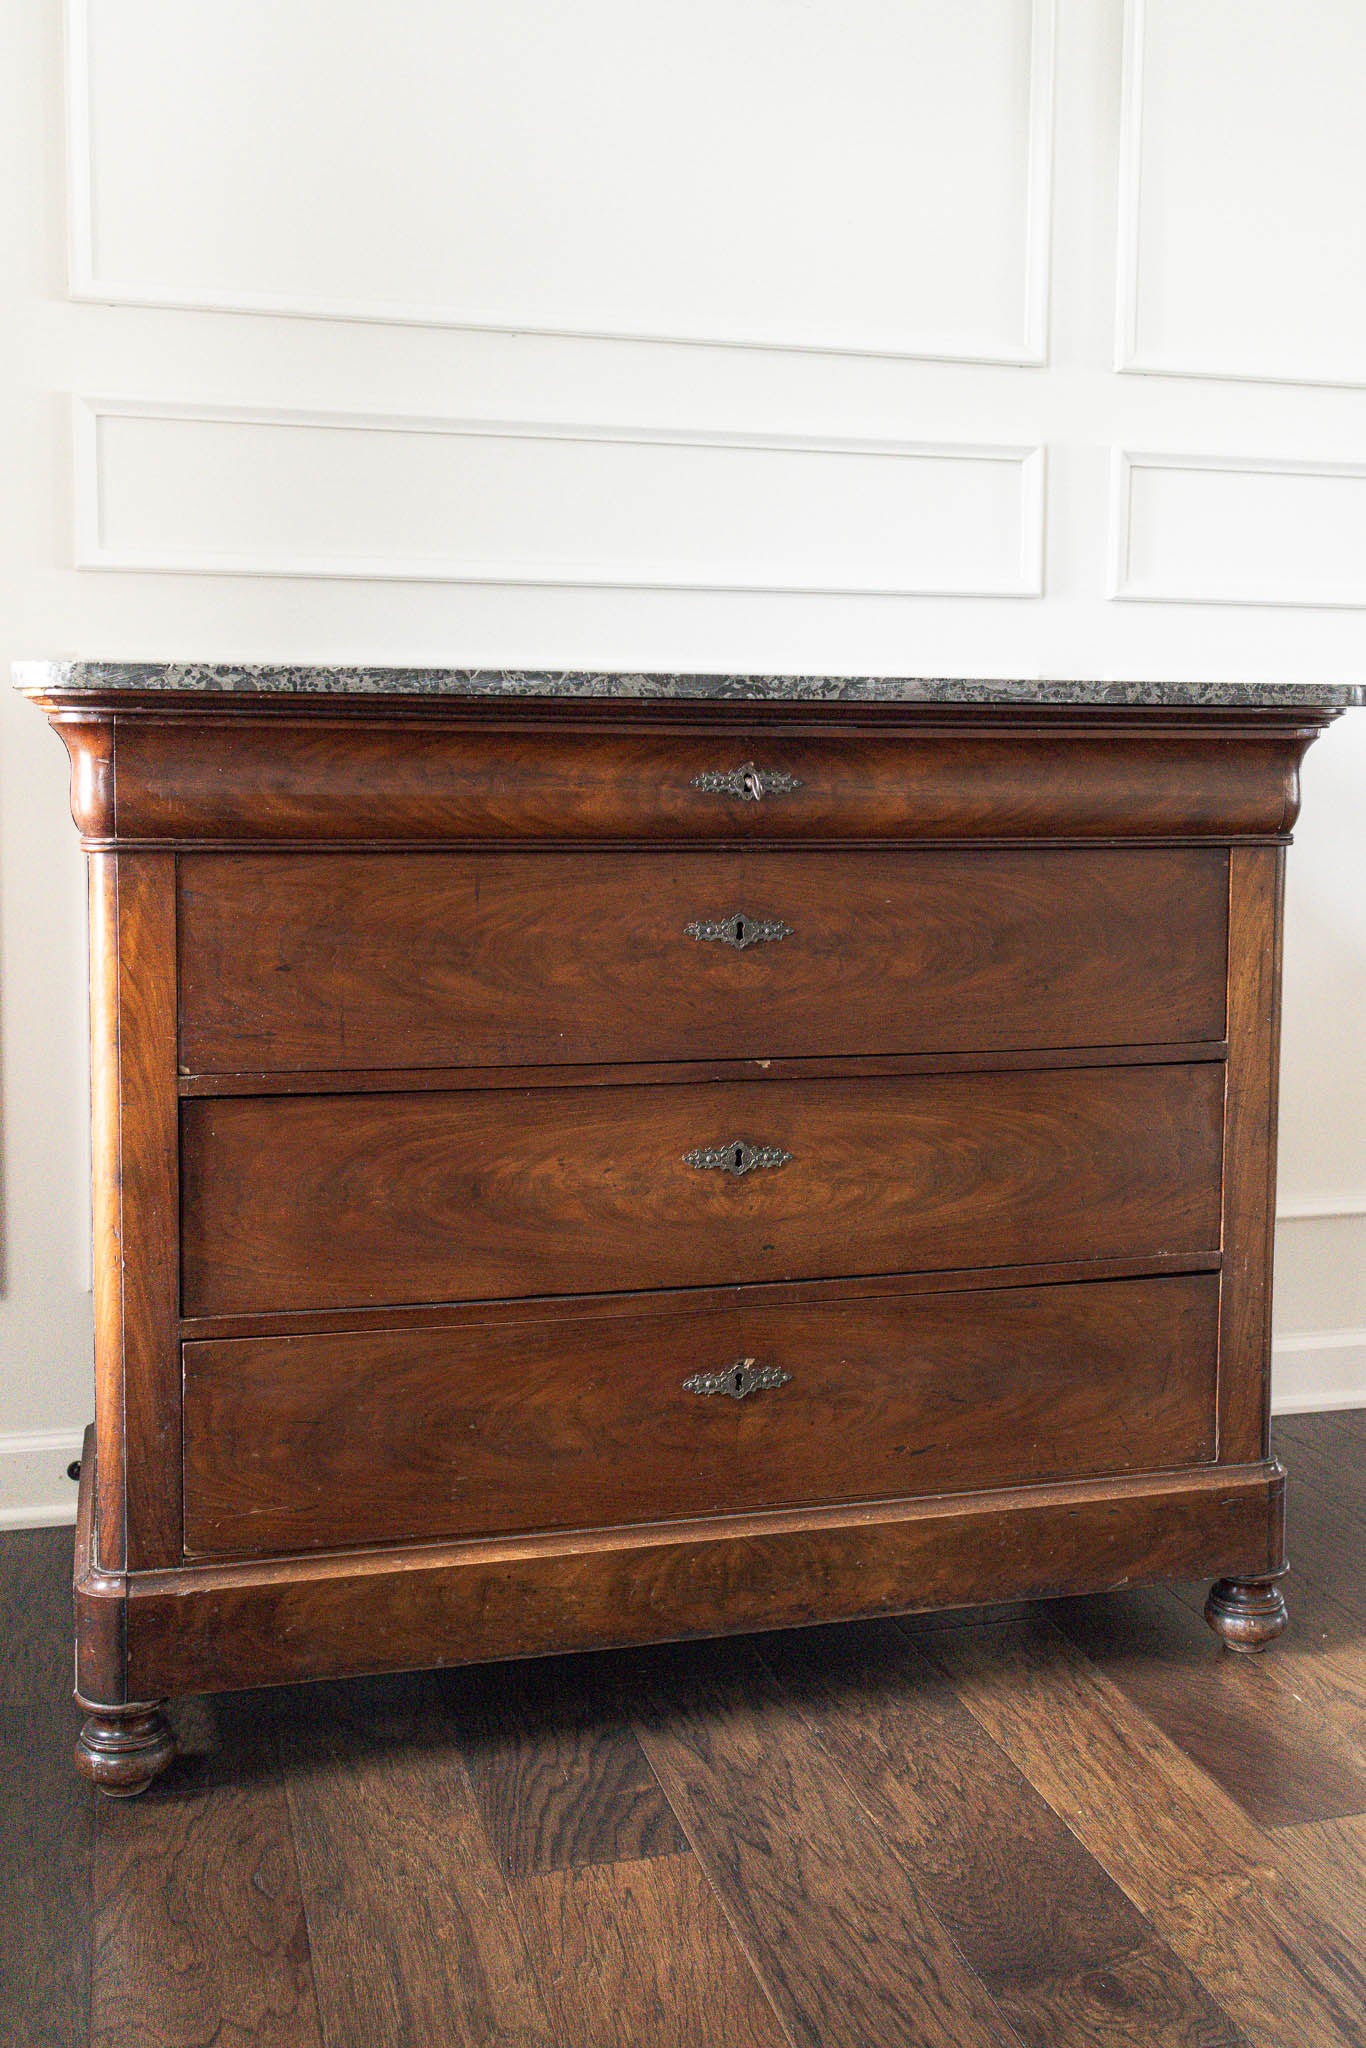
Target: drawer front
[(543, 773), (315, 1202), (349, 961), (296, 1442)]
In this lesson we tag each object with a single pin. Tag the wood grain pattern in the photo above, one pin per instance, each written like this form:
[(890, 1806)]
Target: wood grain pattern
[(1187, 1856), (560, 1779), (1325, 1861), (1256, 890), (409, 1918), (1319, 1700), (149, 1180), (1062, 1950), (1324, 1654), (35, 1616), (350, 772), (1327, 1540), (46, 1832), (641, 1953), (294, 1442), (866, 1800), (843, 1937), (356, 961), (87, 732), (46, 1824), (320, 1202), (1283, 1736), (98, 1602), (106, 1153), (266, 1622), (1327, 1454), (1332, 1435), (199, 1932), (994, 1045)]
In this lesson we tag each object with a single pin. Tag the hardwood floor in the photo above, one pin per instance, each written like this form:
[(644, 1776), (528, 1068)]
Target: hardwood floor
[(1053, 1825)]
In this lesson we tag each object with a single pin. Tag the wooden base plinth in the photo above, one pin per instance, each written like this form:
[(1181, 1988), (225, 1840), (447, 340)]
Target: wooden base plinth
[(213, 1628)]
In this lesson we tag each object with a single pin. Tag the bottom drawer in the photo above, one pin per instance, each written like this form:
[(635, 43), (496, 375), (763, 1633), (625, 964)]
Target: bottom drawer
[(500, 1426)]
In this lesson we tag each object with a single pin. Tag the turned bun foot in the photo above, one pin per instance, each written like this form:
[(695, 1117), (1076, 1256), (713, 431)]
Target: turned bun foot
[(121, 1749), (1246, 1614)]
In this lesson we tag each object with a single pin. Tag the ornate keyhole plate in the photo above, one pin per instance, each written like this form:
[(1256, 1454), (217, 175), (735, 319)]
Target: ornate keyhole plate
[(736, 1156), (749, 783), (739, 930), (742, 1376)]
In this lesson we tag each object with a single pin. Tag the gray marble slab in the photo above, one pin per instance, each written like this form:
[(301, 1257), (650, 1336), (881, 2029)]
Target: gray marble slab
[(258, 678)]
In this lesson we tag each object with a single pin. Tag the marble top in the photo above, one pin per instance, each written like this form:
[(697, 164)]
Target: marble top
[(100, 677)]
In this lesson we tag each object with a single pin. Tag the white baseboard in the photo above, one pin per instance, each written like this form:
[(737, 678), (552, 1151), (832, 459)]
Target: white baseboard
[(35, 1492), (1318, 1369)]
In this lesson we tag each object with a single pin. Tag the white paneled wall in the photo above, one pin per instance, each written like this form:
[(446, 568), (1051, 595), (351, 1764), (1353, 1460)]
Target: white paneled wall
[(1243, 145), (979, 337), (396, 498), (1222, 529), (696, 174)]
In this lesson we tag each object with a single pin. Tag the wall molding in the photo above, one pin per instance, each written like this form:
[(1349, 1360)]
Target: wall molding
[(1124, 462), (1318, 1208), (92, 551), (1326, 1368), (1317, 1370), (35, 1492), (1029, 350), (1128, 354)]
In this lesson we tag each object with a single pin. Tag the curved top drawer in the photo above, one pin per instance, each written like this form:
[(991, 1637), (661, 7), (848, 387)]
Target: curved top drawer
[(317, 780)]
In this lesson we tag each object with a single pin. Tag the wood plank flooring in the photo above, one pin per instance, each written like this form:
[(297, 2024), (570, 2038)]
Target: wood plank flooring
[(1077, 1824)]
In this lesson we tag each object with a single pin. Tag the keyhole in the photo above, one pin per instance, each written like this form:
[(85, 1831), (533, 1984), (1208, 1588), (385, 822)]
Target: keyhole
[(740, 931), (739, 1156), (737, 1378)]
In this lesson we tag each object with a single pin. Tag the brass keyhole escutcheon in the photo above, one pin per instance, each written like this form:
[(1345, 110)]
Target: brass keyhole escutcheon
[(749, 783), (740, 930), (739, 1379), (735, 1156)]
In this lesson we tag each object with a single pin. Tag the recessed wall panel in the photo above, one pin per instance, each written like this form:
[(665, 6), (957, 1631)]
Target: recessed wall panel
[(280, 494), (1209, 530), (1242, 235), (866, 175)]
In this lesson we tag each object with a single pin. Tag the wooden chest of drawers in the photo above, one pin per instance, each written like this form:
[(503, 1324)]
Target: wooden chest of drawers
[(577, 1173)]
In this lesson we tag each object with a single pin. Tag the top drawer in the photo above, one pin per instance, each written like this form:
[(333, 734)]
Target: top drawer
[(337, 962), (397, 777)]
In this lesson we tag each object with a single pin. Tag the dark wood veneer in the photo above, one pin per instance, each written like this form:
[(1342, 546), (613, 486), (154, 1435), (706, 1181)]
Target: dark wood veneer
[(412, 960), (505, 1426), (330, 1202), (209, 1627), (204, 772), (147, 1167), (398, 1047), (1256, 890)]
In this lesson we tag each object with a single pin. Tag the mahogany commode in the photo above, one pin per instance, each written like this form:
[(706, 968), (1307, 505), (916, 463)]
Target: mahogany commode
[(587, 1160)]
